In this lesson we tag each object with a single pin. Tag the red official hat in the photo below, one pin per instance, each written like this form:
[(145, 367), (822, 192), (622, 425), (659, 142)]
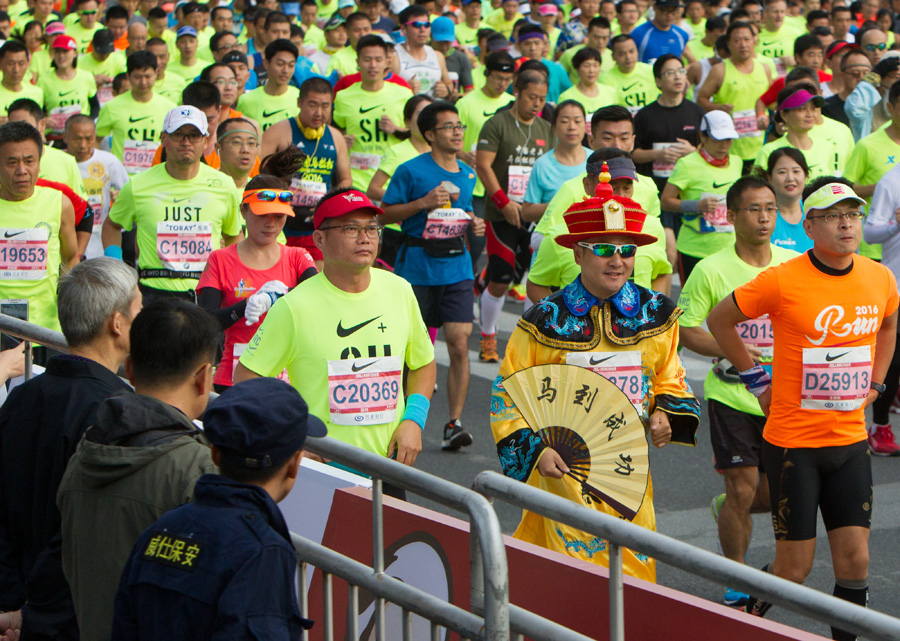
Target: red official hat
[(605, 215), (342, 204)]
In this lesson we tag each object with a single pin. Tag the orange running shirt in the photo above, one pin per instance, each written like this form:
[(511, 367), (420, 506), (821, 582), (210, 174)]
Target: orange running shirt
[(825, 328)]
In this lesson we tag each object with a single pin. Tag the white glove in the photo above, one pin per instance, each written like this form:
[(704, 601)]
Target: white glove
[(260, 302)]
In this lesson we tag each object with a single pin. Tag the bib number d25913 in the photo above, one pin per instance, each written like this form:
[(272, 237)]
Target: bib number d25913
[(836, 378)]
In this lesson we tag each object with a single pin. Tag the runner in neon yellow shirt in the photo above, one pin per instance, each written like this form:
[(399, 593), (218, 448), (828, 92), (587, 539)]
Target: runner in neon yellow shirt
[(135, 117), (67, 89), (370, 111), (344, 60), (597, 38), (633, 81), (504, 18), (187, 65), (182, 209), (38, 230), (167, 85), (103, 62), (276, 100), (85, 25), (467, 29), (697, 189), (345, 335), (14, 67), (588, 92)]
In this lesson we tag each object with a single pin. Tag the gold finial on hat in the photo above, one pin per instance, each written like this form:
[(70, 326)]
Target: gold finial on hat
[(604, 189)]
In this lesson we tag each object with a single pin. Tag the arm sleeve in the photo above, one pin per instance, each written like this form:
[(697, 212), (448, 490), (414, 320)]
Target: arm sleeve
[(881, 223), (858, 107), (210, 299)]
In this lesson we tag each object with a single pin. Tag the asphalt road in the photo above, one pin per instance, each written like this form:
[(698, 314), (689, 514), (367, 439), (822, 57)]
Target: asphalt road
[(684, 483)]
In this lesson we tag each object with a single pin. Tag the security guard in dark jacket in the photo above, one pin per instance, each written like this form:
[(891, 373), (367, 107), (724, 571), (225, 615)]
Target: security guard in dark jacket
[(223, 566)]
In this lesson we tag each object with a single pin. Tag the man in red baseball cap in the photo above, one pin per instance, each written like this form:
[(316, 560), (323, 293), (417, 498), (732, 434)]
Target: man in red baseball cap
[(346, 334), (626, 333)]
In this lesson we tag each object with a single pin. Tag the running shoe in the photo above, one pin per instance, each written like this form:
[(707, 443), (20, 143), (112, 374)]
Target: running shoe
[(455, 436), (488, 352), (517, 292), (757, 607), (881, 441)]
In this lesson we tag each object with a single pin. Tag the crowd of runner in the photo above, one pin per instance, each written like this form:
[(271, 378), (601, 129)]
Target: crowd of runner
[(215, 197)]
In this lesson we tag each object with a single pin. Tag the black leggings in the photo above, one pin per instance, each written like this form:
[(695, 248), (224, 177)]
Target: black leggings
[(881, 408)]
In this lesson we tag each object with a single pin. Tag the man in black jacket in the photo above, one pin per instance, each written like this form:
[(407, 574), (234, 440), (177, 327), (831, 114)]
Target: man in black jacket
[(40, 426)]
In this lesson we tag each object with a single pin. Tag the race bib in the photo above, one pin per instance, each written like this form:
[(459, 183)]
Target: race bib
[(23, 253), (836, 378), (662, 169), (96, 203), (59, 115), (622, 369), (307, 193), (745, 123), (518, 182), (104, 94), (238, 349), (364, 391), (137, 155), (454, 80), (184, 247), (446, 223), (758, 332), (717, 221), (364, 162)]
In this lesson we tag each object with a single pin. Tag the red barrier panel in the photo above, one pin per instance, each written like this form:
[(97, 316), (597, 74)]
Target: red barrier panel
[(430, 550)]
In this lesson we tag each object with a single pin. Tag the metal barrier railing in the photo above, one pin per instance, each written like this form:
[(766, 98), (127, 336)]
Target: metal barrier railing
[(798, 598), (31, 333), (489, 589)]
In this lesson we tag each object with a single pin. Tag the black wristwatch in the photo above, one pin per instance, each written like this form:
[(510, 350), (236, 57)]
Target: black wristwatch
[(881, 388)]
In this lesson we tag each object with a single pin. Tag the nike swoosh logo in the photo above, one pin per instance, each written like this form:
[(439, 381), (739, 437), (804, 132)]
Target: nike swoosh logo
[(363, 111), (768, 44), (362, 367), (8, 235), (133, 119), (593, 362), (67, 93), (344, 333), (269, 114), (630, 86), (488, 115), (719, 185), (178, 200), (831, 357)]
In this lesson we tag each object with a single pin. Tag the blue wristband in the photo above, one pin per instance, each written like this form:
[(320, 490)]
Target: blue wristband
[(113, 251), (416, 409)]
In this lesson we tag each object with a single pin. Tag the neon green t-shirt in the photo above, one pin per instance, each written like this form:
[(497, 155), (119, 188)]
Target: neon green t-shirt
[(775, 44), (40, 63), (713, 279), (170, 87), (113, 65), (358, 113), (496, 20), (606, 63), (741, 91), (467, 36), (188, 73), (572, 191), (179, 222), (634, 90), (605, 96), (318, 327), (824, 157), (29, 90), (314, 37), (695, 177), (134, 125), (266, 109), (64, 98), (475, 108), (38, 217), (82, 36), (60, 167), (344, 61), (555, 266), (872, 158), (700, 50)]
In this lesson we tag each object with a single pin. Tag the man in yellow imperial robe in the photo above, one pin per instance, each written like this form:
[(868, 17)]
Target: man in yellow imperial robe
[(601, 313)]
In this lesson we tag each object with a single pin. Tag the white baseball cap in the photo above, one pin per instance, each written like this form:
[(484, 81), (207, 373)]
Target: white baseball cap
[(718, 125), (185, 115)]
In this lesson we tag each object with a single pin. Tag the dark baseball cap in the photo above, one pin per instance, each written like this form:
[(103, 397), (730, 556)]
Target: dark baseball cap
[(234, 56), (103, 41), (260, 423), (500, 61)]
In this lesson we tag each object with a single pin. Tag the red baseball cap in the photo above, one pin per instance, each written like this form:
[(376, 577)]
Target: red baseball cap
[(64, 42), (342, 204)]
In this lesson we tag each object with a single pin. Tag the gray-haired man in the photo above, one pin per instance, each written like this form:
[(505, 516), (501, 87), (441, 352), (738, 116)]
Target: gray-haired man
[(42, 421)]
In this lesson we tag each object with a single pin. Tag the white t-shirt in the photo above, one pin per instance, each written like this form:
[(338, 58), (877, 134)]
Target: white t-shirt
[(427, 71), (102, 173)]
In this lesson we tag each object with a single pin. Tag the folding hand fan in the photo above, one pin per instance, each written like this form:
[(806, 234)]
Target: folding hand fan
[(592, 425)]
